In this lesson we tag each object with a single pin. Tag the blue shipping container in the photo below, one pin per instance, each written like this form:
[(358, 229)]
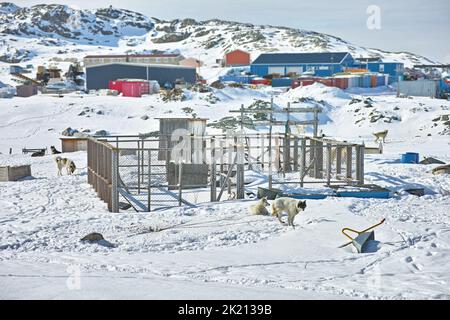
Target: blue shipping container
[(238, 79), (281, 82), (380, 80), (366, 81)]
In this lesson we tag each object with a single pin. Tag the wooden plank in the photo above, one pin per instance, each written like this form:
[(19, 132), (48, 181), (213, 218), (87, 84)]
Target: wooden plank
[(348, 170), (338, 160), (295, 154)]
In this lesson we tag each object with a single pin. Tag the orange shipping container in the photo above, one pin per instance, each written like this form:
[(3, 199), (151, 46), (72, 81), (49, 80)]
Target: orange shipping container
[(373, 81), (356, 70)]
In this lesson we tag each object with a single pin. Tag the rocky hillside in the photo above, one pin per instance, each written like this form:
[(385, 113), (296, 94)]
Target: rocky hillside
[(125, 30), (96, 26)]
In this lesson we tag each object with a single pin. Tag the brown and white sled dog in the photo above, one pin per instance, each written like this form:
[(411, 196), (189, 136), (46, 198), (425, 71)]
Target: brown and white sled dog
[(260, 207), (289, 205), (65, 163)]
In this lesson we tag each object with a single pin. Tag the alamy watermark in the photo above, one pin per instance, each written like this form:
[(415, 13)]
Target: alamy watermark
[(232, 147), (73, 281), (374, 19)]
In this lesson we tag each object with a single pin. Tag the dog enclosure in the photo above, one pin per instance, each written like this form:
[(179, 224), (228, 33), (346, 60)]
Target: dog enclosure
[(151, 172)]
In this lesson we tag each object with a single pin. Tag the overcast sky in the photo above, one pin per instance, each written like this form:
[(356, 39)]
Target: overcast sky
[(416, 26)]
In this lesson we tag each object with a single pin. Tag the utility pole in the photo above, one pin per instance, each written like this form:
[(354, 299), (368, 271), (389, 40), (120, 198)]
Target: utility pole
[(270, 143)]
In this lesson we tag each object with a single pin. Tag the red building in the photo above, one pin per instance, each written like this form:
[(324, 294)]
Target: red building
[(236, 58)]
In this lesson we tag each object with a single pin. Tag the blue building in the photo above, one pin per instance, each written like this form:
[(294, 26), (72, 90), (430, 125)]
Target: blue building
[(320, 64), (394, 69)]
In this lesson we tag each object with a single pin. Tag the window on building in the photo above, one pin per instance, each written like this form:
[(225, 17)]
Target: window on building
[(381, 69), (294, 70), (276, 70)]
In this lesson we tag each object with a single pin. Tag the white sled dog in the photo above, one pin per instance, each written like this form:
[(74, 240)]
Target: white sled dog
[(289, 205), (380, 135), (260, 207), (65, 163)]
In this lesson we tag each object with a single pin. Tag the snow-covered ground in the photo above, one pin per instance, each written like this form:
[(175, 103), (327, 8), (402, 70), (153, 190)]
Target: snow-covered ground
[(225, 252)]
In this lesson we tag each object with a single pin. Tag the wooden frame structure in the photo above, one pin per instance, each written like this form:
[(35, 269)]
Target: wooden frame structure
[(129, 167)]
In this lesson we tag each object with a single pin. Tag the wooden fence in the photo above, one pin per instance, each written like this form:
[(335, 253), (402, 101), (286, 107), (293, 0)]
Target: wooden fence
[(102, 171)]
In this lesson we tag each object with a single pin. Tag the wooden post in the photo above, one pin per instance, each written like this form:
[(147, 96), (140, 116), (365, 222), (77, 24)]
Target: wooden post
[(338, 160), (358, 163), (180, 184), (303, 162), (242, 116), (287, 143), (295, 154), (221, 162), (114, 181), (213, 171), (142, 161), (286, 154), (312, 155), (262, 150), (270, 144), (361, 181), (149, 186), (348, 170), (240, 194), (329, 164), (318, 167), (316, 123), (139, 167)]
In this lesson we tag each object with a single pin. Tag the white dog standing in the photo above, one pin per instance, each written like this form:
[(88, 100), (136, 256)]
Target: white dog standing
[(65, 163), (380, 136), (289, 205)]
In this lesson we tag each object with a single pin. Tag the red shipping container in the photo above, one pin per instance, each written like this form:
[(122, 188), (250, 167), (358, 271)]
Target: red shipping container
[(341, 83), (326, 81), (132, 89), (302, 82), (261, 81), (115, 85)]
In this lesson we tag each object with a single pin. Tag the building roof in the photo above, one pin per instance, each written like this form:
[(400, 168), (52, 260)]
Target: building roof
[(369, 59), (151, 65), (181, 118), (232, 51), (301, 58), (135, 55)]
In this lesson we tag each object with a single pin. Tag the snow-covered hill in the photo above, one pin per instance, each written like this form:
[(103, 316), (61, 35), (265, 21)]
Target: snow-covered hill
[(48, 29)]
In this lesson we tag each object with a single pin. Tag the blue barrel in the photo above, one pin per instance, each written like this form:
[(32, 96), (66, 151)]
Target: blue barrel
[(410, 157)]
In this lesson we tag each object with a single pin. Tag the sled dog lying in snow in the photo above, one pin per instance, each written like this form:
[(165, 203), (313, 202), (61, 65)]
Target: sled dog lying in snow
[(260, 207), (380, 135), (65, 163), (289, 205)]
